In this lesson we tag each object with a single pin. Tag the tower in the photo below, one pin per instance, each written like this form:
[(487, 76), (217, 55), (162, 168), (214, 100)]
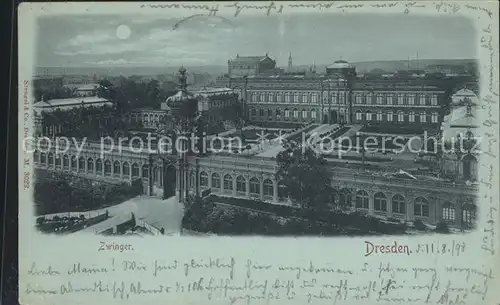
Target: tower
[(184, 110), (290, 62)]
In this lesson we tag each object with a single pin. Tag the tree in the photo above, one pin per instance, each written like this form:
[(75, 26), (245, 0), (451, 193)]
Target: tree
[(304, 175)]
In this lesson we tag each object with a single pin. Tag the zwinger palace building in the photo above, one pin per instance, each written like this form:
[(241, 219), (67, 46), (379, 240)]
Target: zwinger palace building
[(333, 97)]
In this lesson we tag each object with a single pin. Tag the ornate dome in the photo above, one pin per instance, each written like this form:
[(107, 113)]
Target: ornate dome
[(340, 64), (183, 103)]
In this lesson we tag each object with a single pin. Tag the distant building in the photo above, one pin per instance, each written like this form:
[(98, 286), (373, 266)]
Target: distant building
[(70, 103), (447, 70), (250, 65), (87, 90), (341, 68)]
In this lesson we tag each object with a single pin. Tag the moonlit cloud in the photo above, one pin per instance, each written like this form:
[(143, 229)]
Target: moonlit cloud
[(80, 41)]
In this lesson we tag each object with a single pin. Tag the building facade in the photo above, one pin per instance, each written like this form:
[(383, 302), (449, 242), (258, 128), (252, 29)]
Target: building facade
[(327, 100), (250, 65), (387, 197)]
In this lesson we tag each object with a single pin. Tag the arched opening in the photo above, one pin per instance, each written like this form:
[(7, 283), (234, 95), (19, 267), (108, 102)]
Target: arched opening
[(90, 165), (107, 168), (228, 184), (469, 163), (254, 187), (380, 202), (421, 207), (81, 164), (448, 213), (325, 119), (203, 180), (333, 117), (362, 200), (268, 189), (169, 181), (345, 198), (241, 185), (468, 216), (398, 204)]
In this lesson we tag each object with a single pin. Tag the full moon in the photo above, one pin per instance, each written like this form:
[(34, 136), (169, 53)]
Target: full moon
[(123, 31)]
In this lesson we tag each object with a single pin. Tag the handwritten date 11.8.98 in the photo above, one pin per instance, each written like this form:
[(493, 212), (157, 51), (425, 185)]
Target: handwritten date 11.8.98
[(454, 248)]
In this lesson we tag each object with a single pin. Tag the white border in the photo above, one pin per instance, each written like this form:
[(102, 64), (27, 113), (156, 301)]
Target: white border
[(344, 253)]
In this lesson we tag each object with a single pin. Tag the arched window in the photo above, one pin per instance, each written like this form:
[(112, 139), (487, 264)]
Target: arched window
[(279, 97), (43, 158), (368, 116), (434, 117), (203, 179), (389, 116), (126, 169), (362, 200), (50, 160), (215, 180), (73, 163), (421, 207), (401, 98), (411, 117), (253, 111), (401, 116), (287, 97), (58, 161), (261, 112), (254, 186), (287, 113), (449, 213), (107, 167), (398, 204), (241, 184), (135, 170), (81, 164), (380, 202), (90, 165), (270, 97), (268, 187), (468, 215), (116, 168), (313, 114), (270, 113), (423, 117), (228, 182), (36, 156), (145, 171), (345, 198), (379, 116), (359, 115), (98, 166), (295, 113), (296, 97)]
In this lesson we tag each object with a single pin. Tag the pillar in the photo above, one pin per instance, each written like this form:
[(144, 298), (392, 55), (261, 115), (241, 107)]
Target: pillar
[(275, 191), (261, 189), (234, 185), (370, 203), (389, 204), (247, 188), (409, 208)]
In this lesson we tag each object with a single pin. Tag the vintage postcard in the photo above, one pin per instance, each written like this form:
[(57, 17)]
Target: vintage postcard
[(259, 153)]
